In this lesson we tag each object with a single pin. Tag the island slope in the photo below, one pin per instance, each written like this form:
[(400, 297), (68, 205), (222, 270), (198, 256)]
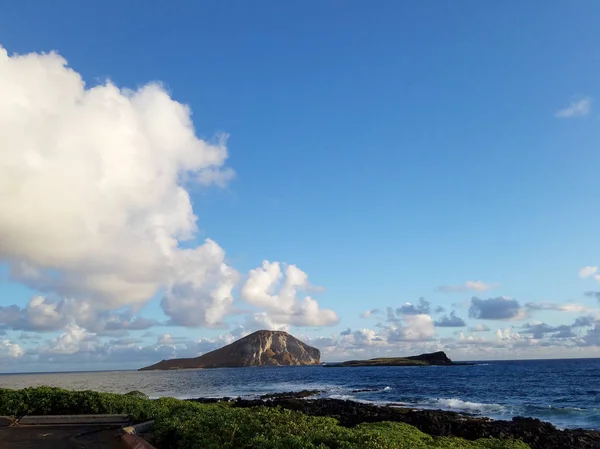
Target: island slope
[(262, 348)]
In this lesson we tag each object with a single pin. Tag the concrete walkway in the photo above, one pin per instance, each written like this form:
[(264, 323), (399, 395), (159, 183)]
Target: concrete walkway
[(60, 437), (72, 432)]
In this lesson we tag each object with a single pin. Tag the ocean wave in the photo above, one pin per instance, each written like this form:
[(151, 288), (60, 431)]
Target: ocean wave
[(459, 404), (552, 409), (371, 390)]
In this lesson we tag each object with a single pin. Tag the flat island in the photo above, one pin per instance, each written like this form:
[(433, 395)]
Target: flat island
[(433, 358)]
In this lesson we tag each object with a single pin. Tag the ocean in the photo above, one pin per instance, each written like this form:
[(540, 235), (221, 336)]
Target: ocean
[(563, 392)]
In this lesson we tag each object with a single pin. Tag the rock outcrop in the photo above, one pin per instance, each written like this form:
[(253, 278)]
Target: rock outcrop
[(433, 358), (262, 348)]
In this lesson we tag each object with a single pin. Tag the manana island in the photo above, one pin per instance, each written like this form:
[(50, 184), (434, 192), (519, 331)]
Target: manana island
[(295, 420)]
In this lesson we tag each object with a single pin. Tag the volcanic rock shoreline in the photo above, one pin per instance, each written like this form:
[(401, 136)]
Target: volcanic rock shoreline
[(537, 434)]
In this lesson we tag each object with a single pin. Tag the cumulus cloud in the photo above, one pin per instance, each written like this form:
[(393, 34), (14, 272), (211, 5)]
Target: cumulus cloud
[(95, 208), (579, 108), (423, 308), (592, 337), (508, 334), (587, 271), (9, 350), (584, 321), (538, 330), (478, 286), (479, 328), (74, 340), (593, 295), (42, 314), (199, 292), (93, 185), (263, 320), (450, 320), (269, 288), (568, 307), (369, 313), (500, 308), (414, 328)]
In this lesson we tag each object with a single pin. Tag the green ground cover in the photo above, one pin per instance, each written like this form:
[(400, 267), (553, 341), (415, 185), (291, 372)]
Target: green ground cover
[(187, 425)]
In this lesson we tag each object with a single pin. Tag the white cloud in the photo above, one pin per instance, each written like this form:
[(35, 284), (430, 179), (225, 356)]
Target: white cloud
[(478, 286), (10, 350), (75, 339), (587, 271), (369, 313), (579, 108), (262, 320), (507, 334), (165, 339), (92, 185), (414, 328), (42, 314), (200, 291), (568, 307), (268, 288)]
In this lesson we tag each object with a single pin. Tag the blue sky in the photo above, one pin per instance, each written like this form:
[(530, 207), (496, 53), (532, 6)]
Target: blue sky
[(384, 151)]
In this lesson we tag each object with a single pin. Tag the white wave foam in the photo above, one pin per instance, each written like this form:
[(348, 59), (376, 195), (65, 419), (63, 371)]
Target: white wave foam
[(343, 397), (388, 388), (459, 404)]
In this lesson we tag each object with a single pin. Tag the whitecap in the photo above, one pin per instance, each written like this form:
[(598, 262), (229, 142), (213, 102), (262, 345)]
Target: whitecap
[(459, 404)]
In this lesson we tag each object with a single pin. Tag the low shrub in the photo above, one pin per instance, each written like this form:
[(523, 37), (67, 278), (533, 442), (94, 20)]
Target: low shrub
[(188, 425)]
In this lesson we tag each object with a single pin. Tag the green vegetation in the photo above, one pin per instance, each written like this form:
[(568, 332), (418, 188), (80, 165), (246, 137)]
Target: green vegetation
[(188, 425)]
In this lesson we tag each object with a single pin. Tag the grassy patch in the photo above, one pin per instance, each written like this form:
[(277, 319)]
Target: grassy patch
[(187, 425)]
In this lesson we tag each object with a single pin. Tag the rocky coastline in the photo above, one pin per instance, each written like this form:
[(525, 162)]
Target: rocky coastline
[(537, 434)]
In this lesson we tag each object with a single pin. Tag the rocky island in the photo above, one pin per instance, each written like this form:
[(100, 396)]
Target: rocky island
[(262, 348), (433, 358)]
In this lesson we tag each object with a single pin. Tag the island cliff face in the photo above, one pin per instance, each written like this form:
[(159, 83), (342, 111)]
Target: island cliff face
[(433, 358), (262, 348)]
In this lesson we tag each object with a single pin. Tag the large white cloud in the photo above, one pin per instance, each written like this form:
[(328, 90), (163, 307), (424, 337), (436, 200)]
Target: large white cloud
[(266, 288), (92, 181)]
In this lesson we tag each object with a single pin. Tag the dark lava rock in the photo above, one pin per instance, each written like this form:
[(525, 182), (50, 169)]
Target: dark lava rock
[(291, 394), (537, 434)]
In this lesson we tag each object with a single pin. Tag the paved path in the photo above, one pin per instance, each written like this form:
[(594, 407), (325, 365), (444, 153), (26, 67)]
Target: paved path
[(59, 437)]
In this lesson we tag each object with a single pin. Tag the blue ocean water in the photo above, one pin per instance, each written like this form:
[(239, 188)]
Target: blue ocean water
[(563, 392)]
